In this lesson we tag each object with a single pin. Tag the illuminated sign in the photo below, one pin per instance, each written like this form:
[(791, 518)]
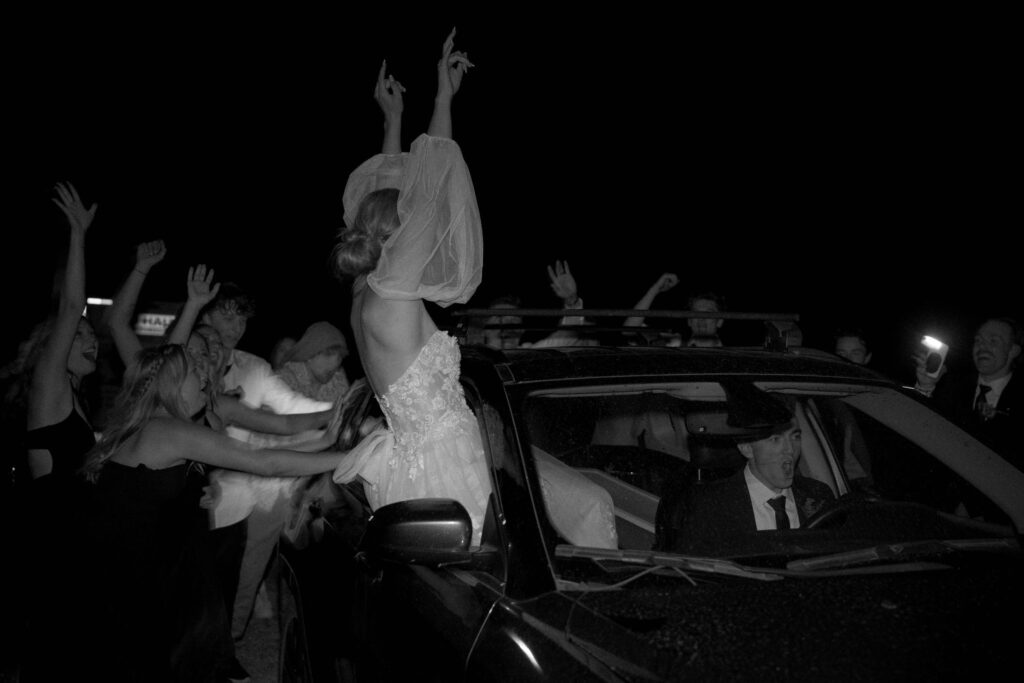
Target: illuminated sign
[(153, 324)]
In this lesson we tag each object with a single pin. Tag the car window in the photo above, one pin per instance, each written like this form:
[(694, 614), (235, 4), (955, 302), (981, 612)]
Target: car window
[(499, 451), (606, 457), (880, 460)]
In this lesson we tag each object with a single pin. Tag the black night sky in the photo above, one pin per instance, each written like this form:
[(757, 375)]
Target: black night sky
[(840, 167)]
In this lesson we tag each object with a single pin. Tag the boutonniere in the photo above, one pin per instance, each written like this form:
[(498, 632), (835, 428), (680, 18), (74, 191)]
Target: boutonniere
[(810, 506)]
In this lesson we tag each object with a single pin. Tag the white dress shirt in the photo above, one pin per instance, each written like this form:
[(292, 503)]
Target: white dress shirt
[(996, 390), (764, 514), (262, 389), (240, 492)]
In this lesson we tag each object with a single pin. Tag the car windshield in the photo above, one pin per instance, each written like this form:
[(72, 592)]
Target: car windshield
[(646, 467)]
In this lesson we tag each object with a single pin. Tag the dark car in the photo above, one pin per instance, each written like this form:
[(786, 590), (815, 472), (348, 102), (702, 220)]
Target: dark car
[(912, 572)]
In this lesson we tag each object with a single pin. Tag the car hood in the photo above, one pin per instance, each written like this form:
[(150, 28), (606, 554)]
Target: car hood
[(848, 625)]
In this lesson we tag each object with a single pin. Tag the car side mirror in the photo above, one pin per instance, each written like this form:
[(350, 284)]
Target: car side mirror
[(428, 531)]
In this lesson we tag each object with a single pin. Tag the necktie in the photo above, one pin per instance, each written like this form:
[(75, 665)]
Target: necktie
[(981, 403), (781, 518)]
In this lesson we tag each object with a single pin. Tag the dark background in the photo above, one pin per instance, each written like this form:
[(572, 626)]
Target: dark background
[(846, 167)]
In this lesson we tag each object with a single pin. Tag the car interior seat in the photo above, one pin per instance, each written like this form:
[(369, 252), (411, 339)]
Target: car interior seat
[(711, 458)]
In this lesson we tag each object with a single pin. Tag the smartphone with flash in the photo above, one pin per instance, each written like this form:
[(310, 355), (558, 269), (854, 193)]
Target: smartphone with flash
[(935, 355)]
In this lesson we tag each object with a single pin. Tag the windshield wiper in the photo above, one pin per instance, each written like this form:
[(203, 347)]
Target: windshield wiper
[(899, 551), (650, 558)]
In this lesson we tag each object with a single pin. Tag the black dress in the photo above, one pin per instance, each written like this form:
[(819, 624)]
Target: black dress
[(157, 603), (68, 442), (50, 531)]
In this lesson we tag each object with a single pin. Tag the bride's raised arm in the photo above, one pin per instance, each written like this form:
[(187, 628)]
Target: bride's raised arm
[(435, 250)]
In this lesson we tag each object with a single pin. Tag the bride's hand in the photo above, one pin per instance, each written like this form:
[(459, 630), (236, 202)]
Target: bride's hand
[(451, 68), (388, 93)]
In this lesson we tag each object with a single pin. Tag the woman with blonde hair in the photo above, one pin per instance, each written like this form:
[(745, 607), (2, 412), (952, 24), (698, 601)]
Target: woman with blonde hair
[(162, 612)]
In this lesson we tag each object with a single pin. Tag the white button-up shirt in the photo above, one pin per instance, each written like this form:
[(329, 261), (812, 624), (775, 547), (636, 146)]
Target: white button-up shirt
[(240, 492), (996, 390), (764, 513)]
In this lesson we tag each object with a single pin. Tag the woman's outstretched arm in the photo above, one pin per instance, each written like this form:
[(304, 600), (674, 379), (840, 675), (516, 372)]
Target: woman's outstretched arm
[(50, 394), (237, 414), (179, 440)]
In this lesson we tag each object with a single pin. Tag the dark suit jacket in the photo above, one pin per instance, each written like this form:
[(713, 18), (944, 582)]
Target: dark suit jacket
[(1003, 433), (703, 513)]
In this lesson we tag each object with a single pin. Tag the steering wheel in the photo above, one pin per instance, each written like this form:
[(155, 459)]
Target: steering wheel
[(836, 511)]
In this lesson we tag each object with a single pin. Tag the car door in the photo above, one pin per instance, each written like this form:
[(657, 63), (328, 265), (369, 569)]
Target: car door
[(420, 621)]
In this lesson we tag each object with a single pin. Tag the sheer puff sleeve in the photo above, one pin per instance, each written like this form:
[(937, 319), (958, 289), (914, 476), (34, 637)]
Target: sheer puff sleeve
[(436, 253)]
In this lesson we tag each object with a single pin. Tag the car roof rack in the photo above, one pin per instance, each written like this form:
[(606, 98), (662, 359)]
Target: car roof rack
[(781, 331)]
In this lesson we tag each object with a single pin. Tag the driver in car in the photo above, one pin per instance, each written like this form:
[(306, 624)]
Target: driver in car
[(766, 494)]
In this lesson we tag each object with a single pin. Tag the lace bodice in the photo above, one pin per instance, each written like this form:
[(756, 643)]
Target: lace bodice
[(426, 403)]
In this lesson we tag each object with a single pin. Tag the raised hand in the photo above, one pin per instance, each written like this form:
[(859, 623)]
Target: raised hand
[(563, 284), (666, 282), (925, 382), (71, 204), (451, 68), (201, 289), (388, 93), (148, 254)]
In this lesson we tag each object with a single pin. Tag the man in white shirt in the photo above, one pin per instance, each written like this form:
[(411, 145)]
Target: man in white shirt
[(704, 331), (263, 501), (776, 497)]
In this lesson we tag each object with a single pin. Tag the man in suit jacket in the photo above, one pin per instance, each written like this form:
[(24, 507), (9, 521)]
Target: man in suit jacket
[(988, 402), (713, 513)]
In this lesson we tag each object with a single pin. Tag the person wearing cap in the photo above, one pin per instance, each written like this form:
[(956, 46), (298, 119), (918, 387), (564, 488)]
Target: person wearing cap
[(313, 365), (767, 494)]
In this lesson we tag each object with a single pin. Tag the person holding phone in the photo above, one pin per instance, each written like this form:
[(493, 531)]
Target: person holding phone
[(987, 402)]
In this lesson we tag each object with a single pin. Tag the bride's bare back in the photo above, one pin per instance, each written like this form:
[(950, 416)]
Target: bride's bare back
[(389, 334)]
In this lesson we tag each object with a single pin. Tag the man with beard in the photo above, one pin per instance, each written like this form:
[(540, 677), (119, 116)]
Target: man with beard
[(767, 494), (986, 402)]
